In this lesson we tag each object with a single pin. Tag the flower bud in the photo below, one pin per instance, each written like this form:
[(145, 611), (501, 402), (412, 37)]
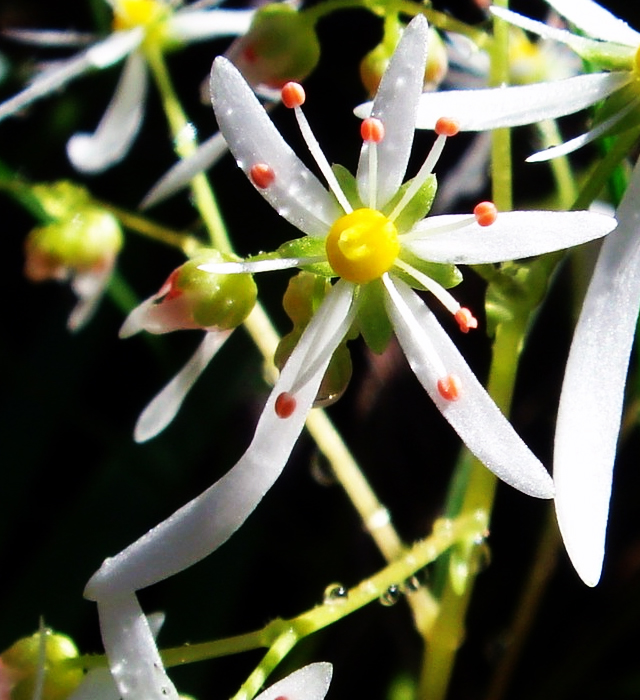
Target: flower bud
[(194, 298), (280, 46), (19, 667), (88, 240), (374, 64)]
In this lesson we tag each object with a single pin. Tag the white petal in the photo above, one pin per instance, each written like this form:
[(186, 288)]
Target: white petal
[(254, 266), (89, 287), (308, 683), (111, 141), (49, 37), (199, 25), (578, 43), (134, 659), (181, 174), (165, 405), (296, 193), (396, 104), (202, 525), (595, 21), (115, 47), (593, 392), (63, 73), (474, 416), (492, 108), (579, 141), (98, 683), (514, 235)]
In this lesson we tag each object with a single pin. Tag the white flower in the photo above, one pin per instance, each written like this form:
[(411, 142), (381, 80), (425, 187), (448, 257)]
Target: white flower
[(614, 43), (593, 392), (135, 22), (199, 527)]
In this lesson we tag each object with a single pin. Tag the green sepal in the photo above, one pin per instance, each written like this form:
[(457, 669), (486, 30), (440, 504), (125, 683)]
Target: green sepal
[(372, 320), (607, 55), (446, 275), (348, 185), (305, 247), (417, 207)]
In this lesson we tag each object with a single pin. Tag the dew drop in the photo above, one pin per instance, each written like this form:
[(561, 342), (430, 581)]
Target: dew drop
[(391, 596), (411, 585), (335, 593), (321, 471)]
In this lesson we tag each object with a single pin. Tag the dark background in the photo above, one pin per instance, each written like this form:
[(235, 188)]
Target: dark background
[(75, 488)]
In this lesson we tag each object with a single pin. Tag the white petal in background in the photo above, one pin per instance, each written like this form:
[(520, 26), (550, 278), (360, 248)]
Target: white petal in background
[(200, 25), (110, 143), (592, 396), (164, 407), (474, 416), (595, 21), (308, 683)]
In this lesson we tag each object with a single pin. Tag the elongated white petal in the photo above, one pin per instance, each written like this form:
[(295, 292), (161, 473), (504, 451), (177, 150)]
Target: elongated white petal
[(157, 315), (395, 105), (296, 194), (111, 141), (206, 522), (89, 288), (474, 415), (112, 49), (578, 43), (593, 391), (514, 235), (134, 659), (200, 25), (492, 108), (253, 266), (181, 174), (49, 37), (595, 21), (574, 144), (308, 683), (98, 683), (164, 406)]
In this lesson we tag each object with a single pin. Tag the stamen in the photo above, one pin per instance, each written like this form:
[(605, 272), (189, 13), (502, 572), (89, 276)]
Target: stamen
[(438, 291), (449, 387), (285, 405), (466, 320), (445, 126), (262, 175), (372, 130), (419, 179), (293, 95), (486, 213)]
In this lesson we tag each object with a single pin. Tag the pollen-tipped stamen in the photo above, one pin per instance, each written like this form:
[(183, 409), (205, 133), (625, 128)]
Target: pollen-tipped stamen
[(285, 405), (486, 213), (449, 387), (426, 169), (372, 132), (291, 95), (262, 175)]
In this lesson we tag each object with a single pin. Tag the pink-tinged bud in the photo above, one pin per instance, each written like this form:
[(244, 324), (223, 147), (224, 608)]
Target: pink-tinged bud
[(449, 387), (194, 298), (280, 46), (19, 667)]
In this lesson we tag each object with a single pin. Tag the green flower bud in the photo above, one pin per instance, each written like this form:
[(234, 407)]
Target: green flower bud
[(20, 666), (281, 45), (88, 240)]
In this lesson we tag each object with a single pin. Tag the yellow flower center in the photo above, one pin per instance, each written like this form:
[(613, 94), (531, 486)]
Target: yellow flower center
[(362, 245), (136, 13)]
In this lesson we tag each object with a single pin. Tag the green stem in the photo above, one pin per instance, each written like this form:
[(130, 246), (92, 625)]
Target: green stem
[(185, 145)]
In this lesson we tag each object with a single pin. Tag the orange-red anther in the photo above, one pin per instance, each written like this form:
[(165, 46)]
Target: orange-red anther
[(262, 175), (285, 405), (486, 213), (292, 95), (449, 387), (372, 129), (466, 320), (445, 126)]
